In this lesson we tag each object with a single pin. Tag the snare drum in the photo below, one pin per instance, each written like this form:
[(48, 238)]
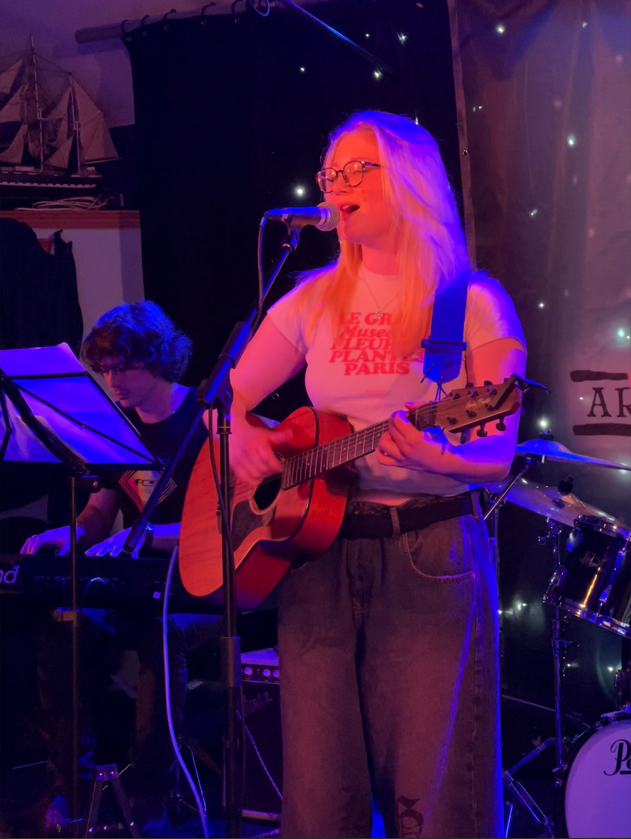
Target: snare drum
[(598, 780), (594, 581)]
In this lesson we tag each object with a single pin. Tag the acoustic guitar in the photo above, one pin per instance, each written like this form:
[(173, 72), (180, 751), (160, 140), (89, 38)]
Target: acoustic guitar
[(301, 510)]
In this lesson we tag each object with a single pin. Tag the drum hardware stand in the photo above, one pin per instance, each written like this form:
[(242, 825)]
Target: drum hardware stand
[(498, 500), (524, 797), (511, 785), (521, 793), (552, 534), (175, 802), (530, 459)]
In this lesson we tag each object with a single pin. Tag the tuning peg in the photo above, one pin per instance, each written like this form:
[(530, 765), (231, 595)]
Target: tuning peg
[(500, 425), (488, 383), (481, 432), (469, 384)]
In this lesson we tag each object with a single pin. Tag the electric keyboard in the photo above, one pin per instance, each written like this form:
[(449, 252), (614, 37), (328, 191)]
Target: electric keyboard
[(102, 581), (118, 582)]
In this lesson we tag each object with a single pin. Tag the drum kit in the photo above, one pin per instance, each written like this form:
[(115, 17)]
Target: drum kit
[(591, 580)]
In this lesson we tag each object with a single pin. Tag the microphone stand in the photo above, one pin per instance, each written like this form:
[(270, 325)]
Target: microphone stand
[(215, 393)]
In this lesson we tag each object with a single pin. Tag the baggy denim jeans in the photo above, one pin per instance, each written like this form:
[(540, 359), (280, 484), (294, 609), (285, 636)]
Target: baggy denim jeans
[(389, 681)]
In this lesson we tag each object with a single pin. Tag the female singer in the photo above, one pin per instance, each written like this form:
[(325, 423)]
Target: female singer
[(389, 640)]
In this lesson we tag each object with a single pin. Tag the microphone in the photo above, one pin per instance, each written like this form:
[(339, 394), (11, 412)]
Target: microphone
[(325, 216)]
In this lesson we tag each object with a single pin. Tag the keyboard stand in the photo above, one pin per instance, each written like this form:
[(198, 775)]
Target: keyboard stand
[(108, 774)]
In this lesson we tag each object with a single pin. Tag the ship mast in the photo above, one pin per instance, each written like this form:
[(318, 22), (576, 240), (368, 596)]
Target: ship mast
[(38, 106), (75, 122)]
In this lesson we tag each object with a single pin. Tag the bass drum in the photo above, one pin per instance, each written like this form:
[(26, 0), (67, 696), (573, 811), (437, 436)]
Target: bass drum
[(598, 785)]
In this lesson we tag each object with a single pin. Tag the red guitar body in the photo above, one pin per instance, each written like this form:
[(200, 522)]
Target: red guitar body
[(302, 510), (270, 526)]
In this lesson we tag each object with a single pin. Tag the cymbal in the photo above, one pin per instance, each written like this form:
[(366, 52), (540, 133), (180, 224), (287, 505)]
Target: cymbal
[(556, 451), (549, 502)]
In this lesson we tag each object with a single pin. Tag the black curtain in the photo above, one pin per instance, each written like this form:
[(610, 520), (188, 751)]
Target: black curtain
[(233, 114)]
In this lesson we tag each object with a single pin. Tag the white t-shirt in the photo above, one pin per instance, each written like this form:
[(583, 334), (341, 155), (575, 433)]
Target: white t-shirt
[(359, 377)]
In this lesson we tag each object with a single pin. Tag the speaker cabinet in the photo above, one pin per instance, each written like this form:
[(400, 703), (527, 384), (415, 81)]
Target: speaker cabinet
[(263, 746)]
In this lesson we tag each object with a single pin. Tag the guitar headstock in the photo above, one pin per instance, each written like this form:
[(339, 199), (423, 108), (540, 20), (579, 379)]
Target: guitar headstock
[(473, 407)]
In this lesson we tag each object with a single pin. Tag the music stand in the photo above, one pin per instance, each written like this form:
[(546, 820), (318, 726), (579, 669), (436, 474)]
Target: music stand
[(53, 411)]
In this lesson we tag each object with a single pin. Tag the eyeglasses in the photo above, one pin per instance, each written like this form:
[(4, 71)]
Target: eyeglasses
[(352, 173), (104, 368)]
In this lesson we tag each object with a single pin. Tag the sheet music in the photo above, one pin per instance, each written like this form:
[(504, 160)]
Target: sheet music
[(68, 401)]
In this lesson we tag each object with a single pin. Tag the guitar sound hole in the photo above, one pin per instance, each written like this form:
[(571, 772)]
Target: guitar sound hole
[(266, 493)]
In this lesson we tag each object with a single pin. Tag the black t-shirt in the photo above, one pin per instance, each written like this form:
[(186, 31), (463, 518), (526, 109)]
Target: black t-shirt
[(134, 488)]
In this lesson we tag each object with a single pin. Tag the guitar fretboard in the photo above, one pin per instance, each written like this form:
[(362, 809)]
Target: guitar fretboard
[(308, 464)]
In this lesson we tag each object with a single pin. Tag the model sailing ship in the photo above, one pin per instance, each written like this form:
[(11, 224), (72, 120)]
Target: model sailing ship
[(51, 132)]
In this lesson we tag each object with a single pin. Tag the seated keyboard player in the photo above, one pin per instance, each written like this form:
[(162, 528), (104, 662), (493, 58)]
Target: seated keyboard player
[(141, 355)]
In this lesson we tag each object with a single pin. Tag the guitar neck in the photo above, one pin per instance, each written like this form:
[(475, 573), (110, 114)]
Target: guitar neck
[(313, 462)]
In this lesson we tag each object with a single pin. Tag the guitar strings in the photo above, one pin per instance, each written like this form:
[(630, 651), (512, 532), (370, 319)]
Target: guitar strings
[(304, 460)]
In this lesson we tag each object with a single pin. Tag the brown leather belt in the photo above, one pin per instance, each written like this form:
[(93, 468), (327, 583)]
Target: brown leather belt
[(382, 525)]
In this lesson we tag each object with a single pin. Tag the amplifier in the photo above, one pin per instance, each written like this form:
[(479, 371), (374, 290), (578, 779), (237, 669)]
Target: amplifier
[(263, 747)]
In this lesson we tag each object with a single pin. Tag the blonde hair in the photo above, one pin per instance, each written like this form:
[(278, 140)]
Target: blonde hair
[(432, 253)]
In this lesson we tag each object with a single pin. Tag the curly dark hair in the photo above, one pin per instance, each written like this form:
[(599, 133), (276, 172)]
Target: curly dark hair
[(138, 333)]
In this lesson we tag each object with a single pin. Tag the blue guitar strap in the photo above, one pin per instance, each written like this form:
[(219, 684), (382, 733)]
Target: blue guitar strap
[(446, 344)]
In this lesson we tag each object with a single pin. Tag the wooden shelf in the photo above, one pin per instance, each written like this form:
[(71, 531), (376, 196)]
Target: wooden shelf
[(76, 219)]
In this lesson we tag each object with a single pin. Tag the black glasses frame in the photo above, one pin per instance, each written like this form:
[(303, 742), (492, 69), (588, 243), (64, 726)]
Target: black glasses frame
[(320, 175)]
